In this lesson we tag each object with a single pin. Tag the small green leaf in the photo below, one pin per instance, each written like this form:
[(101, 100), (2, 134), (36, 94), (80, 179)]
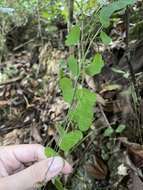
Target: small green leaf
[(96, 66), (73, 37), (67, 89), (120, 128), (108, 132), (49, 152), (73, 66), (105, 38), (69, 140), (58, 184), (84, 95), (82, 115)]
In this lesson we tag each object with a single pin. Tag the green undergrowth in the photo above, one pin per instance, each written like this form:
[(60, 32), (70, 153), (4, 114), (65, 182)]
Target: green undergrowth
[(82, 100)]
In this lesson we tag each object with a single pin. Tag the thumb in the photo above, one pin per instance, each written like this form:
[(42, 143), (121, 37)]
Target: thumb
[(39, 172)]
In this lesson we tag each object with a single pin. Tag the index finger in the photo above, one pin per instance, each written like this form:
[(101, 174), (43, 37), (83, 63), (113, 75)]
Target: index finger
[(24, 153)]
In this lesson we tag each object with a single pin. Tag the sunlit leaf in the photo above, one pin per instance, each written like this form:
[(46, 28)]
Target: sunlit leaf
[(69, 140), (45, 14), (49, 152), (64, 12), (91, 4)]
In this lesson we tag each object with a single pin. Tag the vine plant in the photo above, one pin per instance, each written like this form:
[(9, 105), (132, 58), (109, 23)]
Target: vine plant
[(82, 100)]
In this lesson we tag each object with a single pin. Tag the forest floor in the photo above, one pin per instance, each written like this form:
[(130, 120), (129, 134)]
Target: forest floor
[(31, 107)]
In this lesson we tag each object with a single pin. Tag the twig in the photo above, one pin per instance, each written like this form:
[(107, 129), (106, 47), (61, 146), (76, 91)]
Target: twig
[(127, 55), (17, 79), (24, 44), (103, 114)]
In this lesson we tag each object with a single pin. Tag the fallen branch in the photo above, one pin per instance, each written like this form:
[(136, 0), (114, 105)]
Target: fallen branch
[(17, 79)]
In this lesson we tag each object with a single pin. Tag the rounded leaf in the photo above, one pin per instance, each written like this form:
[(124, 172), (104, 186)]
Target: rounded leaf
[(73, 36), (69, 140), (67, 89), (49, 152)]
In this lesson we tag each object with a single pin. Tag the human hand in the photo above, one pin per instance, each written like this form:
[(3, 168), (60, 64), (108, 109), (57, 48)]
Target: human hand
[(15, 175)]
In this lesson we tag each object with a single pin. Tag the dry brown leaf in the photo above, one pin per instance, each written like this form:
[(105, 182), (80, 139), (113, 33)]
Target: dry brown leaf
[(135, 152), (112, 87), (3, 103), (90, 82), (113, 106), (136, 156), (136, 183), (98, 170), (12, 137), (51, 131), (100, 100)]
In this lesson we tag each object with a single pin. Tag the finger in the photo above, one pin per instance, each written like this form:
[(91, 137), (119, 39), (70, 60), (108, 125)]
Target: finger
[(13, 157), (23, 153), (43, 170)]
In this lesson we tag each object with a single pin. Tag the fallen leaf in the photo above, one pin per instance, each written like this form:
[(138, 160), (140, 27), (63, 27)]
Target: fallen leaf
[(98, 170), (3, 103), (111, 87), (90, 82), (100, 100), (136, 184), (135, 152)]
